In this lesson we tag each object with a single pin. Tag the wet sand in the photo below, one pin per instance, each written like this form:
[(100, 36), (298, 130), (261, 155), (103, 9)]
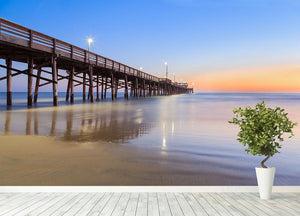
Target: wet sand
[(42, 160), (178, 140)]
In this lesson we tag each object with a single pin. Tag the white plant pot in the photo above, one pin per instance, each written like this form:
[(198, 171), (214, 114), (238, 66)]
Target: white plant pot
[(265, 179)]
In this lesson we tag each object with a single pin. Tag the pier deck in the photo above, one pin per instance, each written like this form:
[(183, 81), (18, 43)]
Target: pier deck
[(51, 60)]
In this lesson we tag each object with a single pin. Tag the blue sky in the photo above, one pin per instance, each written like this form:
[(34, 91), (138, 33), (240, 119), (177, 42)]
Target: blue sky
[(199, 39)]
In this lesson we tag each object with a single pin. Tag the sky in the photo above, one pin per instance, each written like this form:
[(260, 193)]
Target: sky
[(214, 45)]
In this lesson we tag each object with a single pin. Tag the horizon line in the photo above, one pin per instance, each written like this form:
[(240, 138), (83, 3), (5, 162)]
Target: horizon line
[(229, 92)]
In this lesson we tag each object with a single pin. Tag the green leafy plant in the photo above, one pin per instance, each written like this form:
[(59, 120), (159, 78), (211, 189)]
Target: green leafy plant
[(262, 128)]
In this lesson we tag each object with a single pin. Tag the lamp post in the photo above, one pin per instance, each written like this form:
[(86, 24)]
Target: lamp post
[(174, 77), (90, 40), (166, 63)]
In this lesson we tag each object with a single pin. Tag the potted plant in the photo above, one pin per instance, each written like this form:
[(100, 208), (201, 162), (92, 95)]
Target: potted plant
[(261, 131)]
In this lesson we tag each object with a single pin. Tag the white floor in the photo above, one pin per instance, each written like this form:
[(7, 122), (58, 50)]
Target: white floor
[(170, 203)]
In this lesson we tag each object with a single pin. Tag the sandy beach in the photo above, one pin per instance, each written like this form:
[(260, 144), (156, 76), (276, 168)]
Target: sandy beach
[(41, 160), (178, 140)]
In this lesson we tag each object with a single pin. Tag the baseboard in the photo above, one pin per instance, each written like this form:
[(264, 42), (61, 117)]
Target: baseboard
[(143, 189)]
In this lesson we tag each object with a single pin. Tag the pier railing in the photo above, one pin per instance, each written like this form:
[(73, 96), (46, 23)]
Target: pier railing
[(13, 33)]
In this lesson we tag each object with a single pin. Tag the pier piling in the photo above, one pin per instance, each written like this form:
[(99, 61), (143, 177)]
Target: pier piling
[(126, 88), (72, 84), (83, 86), (102, 86), (112, 86), (91, 92), (97, 99), (37, 85), (30, 72), (8, 82), (68, 87), (54, 81)]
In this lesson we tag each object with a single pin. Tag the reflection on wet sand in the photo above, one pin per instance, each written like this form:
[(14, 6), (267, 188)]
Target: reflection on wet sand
[(76, 146), (41, 160), (7, 124), (77, 124), (178, 140)]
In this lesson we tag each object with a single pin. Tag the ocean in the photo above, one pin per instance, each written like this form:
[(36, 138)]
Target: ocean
[(164, 140)]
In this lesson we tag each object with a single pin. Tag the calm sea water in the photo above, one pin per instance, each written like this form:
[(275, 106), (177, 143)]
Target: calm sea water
[(194, 128)]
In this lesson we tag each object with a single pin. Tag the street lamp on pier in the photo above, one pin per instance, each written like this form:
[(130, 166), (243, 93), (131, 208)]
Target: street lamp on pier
[(166, 63), (90, 40)]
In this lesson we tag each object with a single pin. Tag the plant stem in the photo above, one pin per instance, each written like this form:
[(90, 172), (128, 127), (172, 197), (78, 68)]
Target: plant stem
[(263, 162)]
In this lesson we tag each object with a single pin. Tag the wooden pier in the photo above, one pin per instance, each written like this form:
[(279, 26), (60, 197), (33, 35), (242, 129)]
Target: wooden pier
[(68, 62)]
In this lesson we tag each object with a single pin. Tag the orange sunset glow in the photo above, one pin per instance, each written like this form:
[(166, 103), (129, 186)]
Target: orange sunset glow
[(277, 79)]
